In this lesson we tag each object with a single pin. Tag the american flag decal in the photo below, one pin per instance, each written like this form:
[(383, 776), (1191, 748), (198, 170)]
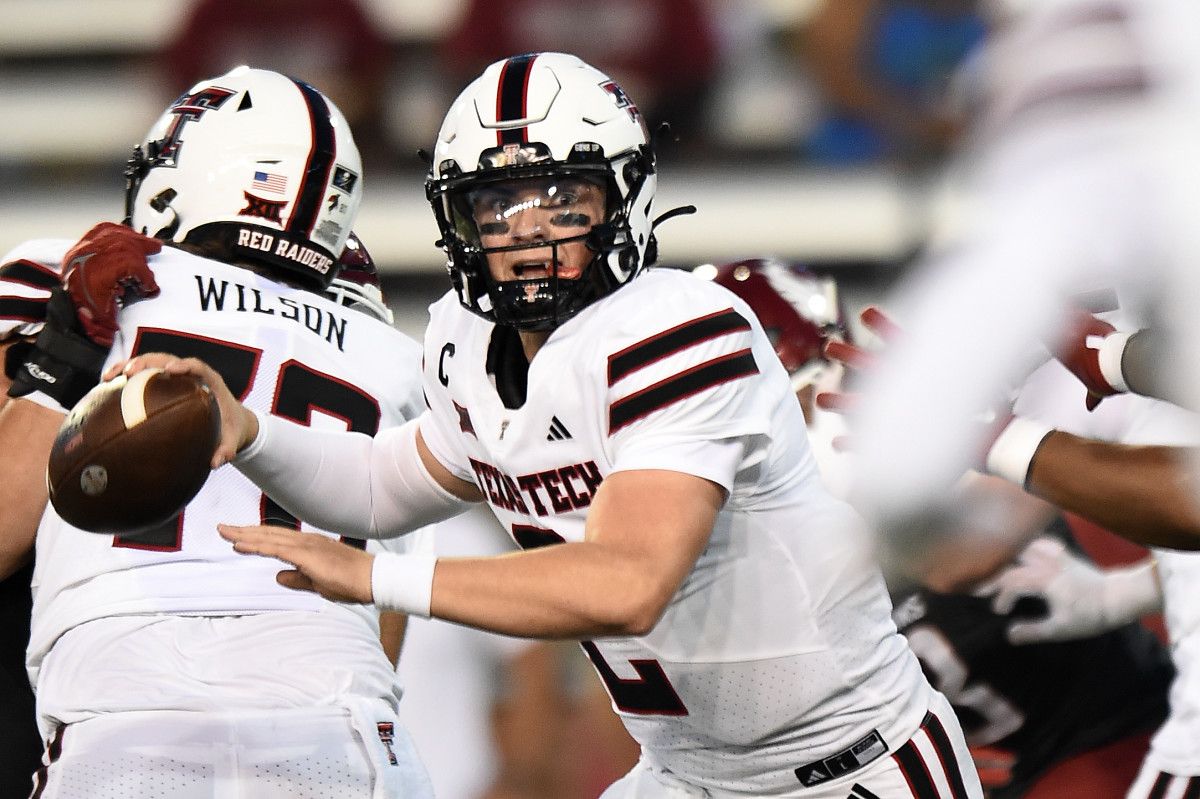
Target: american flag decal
[(269, 181)]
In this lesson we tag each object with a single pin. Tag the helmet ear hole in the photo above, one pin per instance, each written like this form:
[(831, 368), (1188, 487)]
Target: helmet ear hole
[(633, 173), (160, 201), (629, 259)]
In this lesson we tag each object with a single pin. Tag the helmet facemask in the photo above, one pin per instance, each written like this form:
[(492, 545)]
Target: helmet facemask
[(568, 219), (548, 117)]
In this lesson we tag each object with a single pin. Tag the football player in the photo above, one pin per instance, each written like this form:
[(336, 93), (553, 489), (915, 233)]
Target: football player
[(162, 661), (1061, 444), (634, 431), (1094, 700), (484, 710)]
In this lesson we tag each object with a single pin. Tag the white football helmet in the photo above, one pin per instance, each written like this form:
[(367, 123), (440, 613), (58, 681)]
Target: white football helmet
[(534, 116), (357, 283), (261, 164)]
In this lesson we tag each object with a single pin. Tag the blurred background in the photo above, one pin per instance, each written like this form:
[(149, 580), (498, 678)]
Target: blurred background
[(807, 130)]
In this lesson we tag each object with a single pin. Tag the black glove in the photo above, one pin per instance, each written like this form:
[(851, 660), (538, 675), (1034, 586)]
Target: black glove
[(62, 362)]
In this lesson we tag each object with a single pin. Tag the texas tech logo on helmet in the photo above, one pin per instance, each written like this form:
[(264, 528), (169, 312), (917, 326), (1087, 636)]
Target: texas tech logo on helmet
[(187, 108), (622, 99)]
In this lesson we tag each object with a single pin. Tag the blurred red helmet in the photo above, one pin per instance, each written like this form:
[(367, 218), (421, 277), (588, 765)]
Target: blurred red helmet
[(798, 310), (356, 284)]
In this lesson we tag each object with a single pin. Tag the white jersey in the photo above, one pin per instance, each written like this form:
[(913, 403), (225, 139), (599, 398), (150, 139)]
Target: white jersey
[(1052, 395), (453, 675), (283, 351), (27, 274), (778, 649)]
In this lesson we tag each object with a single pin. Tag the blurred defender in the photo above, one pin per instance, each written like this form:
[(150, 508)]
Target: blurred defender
[(1085, 171)]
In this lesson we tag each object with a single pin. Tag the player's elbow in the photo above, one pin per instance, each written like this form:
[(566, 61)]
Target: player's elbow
[(1171, 516), (1179, 531), (641, 605), (641, 622)]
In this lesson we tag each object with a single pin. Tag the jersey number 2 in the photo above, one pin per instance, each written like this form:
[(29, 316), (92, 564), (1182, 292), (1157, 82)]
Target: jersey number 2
[(648, 694)]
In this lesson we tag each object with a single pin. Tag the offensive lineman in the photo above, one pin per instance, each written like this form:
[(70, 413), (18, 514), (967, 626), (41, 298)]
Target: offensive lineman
[(641, 441), (162, 662)]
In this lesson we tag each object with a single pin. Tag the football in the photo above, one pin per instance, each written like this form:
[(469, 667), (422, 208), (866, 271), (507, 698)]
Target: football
[(133, 452)]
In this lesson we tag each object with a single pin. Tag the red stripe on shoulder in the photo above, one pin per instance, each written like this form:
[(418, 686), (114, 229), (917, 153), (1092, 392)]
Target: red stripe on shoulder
[(701, 377), (676, 339), (30, 273)]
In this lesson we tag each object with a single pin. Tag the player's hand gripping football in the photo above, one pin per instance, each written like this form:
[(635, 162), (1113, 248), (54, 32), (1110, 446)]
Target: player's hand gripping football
[(106, 269), (239, 425)]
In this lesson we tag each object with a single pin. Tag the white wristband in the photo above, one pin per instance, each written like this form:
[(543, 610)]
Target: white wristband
[(1109, 354), (1012, 454), (403, 583)]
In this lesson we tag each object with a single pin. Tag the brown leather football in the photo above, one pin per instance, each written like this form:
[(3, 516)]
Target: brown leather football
[(133, 452)]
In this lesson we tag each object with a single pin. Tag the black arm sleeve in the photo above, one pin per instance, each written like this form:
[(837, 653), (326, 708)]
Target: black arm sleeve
[(61, 362)]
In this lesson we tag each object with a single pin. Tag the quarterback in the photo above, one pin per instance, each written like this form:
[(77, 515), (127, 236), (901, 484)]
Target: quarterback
[(634, 431)]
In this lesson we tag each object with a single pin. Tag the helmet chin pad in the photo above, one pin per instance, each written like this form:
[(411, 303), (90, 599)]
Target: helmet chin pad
[(530, 304), (541, 303)]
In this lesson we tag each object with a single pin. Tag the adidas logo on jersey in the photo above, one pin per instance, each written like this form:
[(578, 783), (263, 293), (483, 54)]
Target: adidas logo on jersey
[(558, 430), (815, 775), (870, 747)]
